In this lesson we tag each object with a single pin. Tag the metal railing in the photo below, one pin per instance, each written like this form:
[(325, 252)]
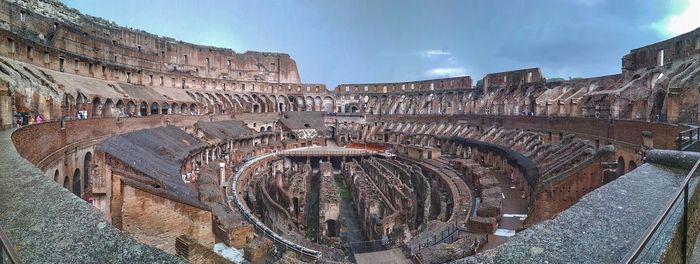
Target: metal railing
[(687, 138), (7, 251), (647, 246), (259, 225)]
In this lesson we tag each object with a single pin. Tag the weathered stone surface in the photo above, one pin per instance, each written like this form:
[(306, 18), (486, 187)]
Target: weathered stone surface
[(257, 249), (49, 224), (601, 228)]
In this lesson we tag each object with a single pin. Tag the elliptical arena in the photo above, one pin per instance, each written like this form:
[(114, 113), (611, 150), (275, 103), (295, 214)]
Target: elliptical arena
[(139, 148)]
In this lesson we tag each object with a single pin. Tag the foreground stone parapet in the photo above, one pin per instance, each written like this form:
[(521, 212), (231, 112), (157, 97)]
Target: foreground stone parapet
[(47, 223), (601, 228)]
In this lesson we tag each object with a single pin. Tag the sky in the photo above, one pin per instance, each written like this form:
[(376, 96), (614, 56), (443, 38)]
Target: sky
[(369, 41)]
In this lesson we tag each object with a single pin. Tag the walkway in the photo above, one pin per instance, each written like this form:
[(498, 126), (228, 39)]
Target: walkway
[(47, 223), (325, 151), (601, 228), (513, 212)]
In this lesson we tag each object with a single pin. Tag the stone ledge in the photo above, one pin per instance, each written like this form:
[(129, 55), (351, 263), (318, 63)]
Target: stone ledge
[(48, 224), (601, 228)]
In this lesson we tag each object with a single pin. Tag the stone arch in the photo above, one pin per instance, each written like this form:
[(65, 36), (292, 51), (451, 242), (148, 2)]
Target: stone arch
[(130, 108), (175, 109), (330, 132), (318, 102), (331, 228), (119, 108), (620, 170), (184, 109), (309, 103), (194, 110), (87, 169), (68, 106), (657, 109), (143, 109), (328, 104), (96, 107), (155, 108), (165, 108), (301, 103), (283, 103), (76, 183), (227, 106), (107, 108), (56, 175), (248, 103), (268, 104), (66, 182), (273, 101), (80, 102), (632, 165)]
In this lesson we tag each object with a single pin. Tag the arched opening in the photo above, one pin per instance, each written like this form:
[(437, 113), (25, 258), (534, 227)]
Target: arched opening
[(331, 228), (130, 108), (330, 132), (262, 129), (632, 165), (154, 108), (256, 108), (107, 108), (183, 109), (353, 109), (328, 105), (55, 176), (86, 171), (66, 182), (175, 109), (164, 108), (120, 108), (143, 109), (193, 109), (96, 107), (620, 166), (657, 113), (76, 182)]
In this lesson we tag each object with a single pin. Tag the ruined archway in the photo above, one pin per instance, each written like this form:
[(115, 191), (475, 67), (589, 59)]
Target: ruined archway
[(76, 183), (620, 166), (96, 107), (657, 113), (87, 163), (143, 109), (154, 108), (107, 108)]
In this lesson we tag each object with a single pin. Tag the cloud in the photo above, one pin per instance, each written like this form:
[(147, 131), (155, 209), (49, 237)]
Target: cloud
[(687, 20), (435, 53), (446, 72)]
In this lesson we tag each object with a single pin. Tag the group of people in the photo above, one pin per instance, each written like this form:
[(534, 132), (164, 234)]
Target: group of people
[(21, 120)]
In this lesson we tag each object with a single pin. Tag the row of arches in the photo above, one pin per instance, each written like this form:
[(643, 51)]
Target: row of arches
[(77, 182), (222, 103), (78, 106)]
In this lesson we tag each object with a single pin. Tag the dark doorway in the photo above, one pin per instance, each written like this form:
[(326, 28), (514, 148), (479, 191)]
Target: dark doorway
[(76, 182)]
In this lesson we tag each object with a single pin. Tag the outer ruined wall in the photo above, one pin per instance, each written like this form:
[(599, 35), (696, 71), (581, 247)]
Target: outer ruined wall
[(157, 221), (673, 49), (70, 33)]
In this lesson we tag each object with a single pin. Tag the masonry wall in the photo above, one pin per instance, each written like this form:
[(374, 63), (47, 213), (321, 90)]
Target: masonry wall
[(157, 221)]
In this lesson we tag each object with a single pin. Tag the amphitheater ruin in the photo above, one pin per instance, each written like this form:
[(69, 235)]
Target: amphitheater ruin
[(119, 145)]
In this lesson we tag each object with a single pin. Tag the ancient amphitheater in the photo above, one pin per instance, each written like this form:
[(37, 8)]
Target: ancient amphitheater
[(121, 146)]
